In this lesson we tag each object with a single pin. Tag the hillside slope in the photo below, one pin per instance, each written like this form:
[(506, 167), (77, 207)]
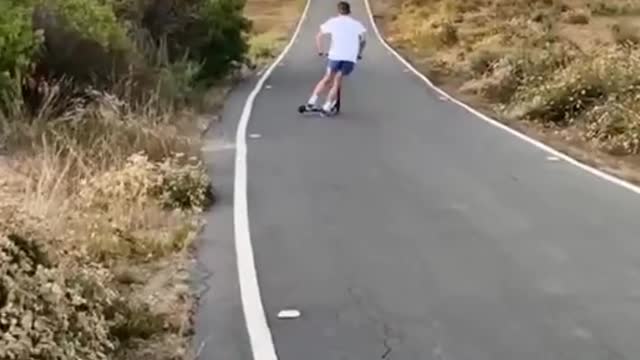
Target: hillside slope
[(564, 71)]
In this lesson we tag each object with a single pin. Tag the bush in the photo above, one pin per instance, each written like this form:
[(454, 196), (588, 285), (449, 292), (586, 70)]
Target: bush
[(223, 45), (209, 32), (19, 41), (136, 322), (83, 41), (184, 184), (448, 34), (18, 45), (499, 85), (118, 207), (96, 44), (573, 90), (178, 81), (176, 183), (481, 61), (55, 310), (47, 312), (92, 19), (435, 37), (615, 126)]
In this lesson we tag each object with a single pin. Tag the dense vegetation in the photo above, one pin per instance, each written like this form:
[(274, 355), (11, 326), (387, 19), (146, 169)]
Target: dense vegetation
[(568, 65), (100, 43), (101, 182)]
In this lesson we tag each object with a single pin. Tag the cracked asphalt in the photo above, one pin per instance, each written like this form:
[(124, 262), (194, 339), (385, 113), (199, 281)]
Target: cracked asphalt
[(406, 228)]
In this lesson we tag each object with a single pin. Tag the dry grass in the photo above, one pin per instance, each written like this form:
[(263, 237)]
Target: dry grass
[(614, 8), (273, 21), (101, 191), (625, 34), (578, 17), (577, 77), (265, 46)]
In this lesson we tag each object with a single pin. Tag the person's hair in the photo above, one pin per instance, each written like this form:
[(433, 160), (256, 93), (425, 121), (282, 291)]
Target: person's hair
[(344, 8)]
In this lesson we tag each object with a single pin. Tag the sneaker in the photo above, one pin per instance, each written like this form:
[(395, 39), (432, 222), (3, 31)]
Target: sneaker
[(325, 112), (328, 110)]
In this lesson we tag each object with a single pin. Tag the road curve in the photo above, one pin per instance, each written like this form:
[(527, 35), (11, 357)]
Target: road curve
[(407, 228)]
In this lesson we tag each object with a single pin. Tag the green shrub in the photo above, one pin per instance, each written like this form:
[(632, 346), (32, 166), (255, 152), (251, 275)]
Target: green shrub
[(184, 185), (209, 32), (217, 37), (18, 45), (164, 45), (18, 41), (92, 19), (177, 81), (83, 41)]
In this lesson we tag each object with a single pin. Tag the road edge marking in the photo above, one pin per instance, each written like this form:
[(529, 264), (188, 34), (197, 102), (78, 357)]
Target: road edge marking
[(599, 173), (260, 337)]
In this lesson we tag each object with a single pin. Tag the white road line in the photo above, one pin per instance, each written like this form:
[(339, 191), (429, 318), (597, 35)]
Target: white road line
[(625, 184), (259, 333)]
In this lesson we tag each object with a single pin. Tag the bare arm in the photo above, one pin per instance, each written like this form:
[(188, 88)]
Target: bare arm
[(363, 43), (319, 42), (363, 40)]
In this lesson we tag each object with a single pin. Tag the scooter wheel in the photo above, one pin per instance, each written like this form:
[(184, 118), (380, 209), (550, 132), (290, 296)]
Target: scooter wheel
[(302, 109)]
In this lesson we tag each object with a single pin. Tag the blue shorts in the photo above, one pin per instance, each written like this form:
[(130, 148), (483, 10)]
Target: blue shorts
[(345, 67)]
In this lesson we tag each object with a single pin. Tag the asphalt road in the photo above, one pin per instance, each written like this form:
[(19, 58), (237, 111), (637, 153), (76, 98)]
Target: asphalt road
[(407, 228)]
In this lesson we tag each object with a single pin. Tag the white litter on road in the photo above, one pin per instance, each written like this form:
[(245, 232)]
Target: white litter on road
[(289, 314), (255, 136), (553, 158)]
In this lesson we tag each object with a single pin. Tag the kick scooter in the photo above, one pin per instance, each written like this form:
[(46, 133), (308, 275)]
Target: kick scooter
[(302, 109)]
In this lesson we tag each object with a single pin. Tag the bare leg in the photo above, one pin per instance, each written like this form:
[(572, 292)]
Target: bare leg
[(321, 87), (333, 93)]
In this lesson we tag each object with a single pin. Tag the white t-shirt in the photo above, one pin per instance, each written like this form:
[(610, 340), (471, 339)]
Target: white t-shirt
[(345, 37)]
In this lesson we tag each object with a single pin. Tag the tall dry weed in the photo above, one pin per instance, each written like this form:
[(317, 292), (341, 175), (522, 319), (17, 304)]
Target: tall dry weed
[(105, 182)]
